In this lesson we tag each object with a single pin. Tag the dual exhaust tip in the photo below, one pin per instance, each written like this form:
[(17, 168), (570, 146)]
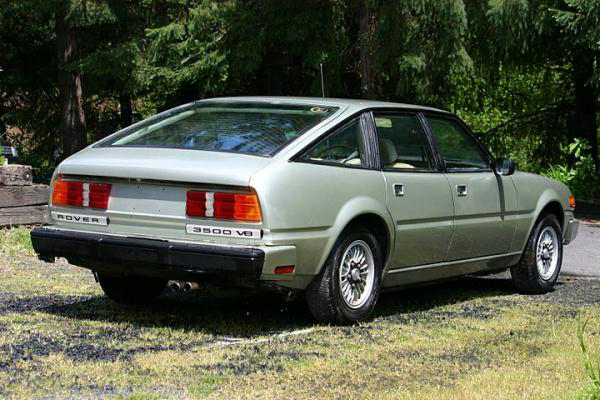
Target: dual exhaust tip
[(177, 286)]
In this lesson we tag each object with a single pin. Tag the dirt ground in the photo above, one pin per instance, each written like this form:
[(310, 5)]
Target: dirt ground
[(472, 338)]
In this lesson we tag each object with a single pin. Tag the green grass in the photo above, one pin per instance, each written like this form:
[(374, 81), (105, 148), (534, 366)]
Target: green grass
[(15, 241), (473, 339), (592, 391)]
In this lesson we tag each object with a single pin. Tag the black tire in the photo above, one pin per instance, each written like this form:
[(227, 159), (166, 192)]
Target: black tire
[(526, 275), (324, 295), (131, 290)]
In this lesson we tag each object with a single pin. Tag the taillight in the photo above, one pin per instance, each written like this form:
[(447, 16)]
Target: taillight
[(66, 193), (223, 205), (99, 195), (80, 194)]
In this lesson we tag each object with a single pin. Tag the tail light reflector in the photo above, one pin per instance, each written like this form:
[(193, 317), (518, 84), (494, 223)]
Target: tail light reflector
[(285, 269), (223, 205), (80, 194)]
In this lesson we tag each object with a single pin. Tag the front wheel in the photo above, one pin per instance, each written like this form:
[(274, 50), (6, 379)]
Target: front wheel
[(131, 290), (540, 264), (348, 286)]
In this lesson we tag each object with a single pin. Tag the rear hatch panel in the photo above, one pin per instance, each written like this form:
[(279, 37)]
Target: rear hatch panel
[(154, 209)]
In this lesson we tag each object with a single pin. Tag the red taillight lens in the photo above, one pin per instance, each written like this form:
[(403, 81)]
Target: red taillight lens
[(80, 194), (196, 204), (223, 205), (99, 195), (66, 193), (286, 269)]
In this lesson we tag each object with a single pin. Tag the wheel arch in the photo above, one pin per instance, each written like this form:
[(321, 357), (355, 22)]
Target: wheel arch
[(371, 215), (547, 203), (553, 207), (377, 226)]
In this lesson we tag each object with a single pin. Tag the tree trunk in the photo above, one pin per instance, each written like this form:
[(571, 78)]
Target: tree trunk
[(364, 36), (582, 120), (72, 123), (126, 111)]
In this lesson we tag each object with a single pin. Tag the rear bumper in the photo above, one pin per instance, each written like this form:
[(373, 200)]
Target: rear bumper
[(147, 257), (571, 231)]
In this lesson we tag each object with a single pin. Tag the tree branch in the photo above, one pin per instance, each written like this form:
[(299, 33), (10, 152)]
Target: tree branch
[(525, 116)]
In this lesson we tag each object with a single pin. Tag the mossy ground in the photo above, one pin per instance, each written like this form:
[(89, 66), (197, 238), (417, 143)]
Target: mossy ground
[(474, 338)]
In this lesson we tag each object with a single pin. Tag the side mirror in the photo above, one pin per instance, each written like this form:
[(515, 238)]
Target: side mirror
[(504, 166)]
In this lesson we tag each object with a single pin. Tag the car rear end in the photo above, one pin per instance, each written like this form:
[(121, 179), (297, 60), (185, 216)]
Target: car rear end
[(171, 198)]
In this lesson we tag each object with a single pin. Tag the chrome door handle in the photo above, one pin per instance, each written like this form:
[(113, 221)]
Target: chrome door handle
[(398, 189), (461, 190)]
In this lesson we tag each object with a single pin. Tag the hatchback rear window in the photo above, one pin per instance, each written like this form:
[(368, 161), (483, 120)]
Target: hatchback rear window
[(252, 128)]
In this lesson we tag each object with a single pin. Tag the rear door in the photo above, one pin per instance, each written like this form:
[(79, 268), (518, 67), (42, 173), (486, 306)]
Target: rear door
[(482, 199), (417, 193)]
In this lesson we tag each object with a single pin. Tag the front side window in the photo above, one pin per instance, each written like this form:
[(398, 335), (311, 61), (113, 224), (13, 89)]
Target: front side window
[(456, 146), (344, 146), (240, 127), (402, 143)]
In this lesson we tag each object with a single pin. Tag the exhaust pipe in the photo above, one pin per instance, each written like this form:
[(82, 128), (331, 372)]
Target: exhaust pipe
[(175, 286), (290, 296), (189, 286)]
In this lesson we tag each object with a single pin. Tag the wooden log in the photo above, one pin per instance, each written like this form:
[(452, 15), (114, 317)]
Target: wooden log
[(23, 215), (16, 175), (18, 196)]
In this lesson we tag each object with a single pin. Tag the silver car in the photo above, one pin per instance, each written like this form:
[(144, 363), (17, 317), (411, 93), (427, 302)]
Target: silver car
[(338, 198)]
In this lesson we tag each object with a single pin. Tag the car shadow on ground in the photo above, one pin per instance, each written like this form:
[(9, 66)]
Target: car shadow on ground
[(265, 314)]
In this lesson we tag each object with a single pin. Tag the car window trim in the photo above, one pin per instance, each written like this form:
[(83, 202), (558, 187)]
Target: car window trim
[(435, 168), (482, 148), (367, 144), (296, 157)]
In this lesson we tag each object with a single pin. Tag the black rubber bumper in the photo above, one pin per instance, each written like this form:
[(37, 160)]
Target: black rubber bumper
[(146, 256)]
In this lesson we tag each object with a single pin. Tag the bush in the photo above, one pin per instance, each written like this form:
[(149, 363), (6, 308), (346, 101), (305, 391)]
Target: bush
[(581, 176)]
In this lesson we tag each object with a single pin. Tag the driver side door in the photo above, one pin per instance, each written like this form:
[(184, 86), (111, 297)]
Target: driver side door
[(484, 202)]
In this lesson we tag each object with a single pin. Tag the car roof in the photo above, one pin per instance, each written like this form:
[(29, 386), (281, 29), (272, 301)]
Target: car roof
[(353, 104)]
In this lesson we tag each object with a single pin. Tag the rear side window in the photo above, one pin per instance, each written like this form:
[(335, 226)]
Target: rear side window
[(402, 143), (345, 146), (254, 128), (459, 150)]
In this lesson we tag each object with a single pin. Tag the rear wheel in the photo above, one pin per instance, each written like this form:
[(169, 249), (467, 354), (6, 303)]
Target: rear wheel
[(131, 290), (348, 286), (541, 261)]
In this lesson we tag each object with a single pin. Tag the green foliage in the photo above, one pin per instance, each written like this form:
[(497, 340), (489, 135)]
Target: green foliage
[(2, 159), (515, 70), (592, 392), (509, 114), (428, 46), (580, 20), (581, 176), (561, 173)]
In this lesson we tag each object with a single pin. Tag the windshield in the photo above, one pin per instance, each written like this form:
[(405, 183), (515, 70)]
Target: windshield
[(253, 128)]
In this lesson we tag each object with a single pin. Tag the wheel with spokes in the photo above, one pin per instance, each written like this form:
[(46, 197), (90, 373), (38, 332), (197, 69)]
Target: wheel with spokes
[(348, 286), (540, 263)]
